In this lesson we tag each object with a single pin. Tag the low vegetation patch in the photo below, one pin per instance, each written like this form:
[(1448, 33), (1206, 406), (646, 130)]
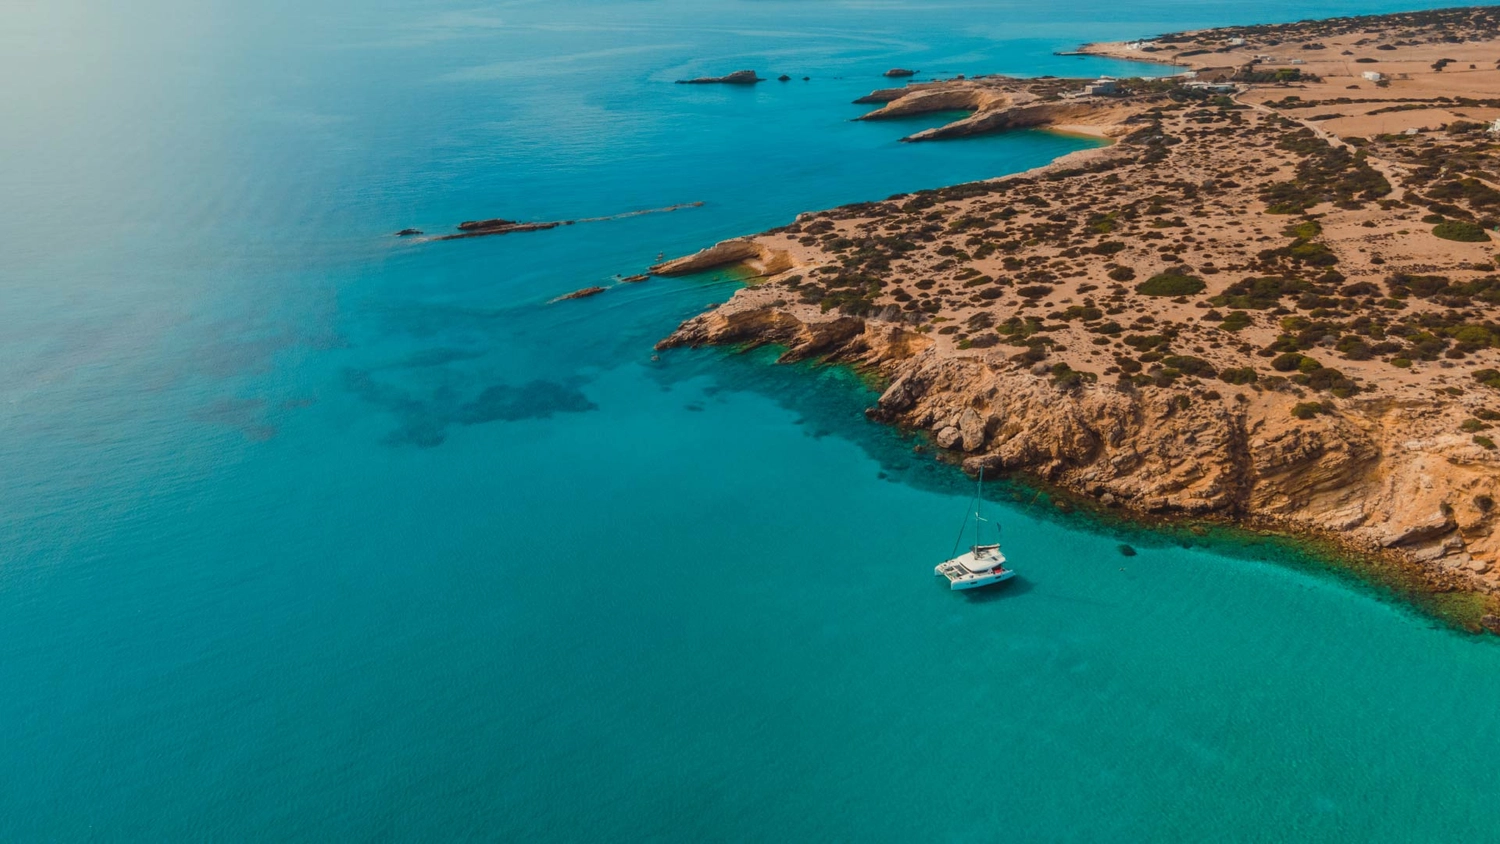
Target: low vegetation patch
[(1239, 375), (1309, 409), (1460, 230), (1173, 282)]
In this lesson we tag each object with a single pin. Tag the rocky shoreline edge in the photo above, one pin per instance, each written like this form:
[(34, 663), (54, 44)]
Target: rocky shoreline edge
[(1127, 456), (1443, 595)]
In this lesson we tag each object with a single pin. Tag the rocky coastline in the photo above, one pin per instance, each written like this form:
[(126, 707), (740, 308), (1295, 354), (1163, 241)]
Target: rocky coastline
[(1231, 314)]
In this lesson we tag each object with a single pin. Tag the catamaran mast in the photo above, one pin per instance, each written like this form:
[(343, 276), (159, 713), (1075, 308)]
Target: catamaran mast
[(978, 506)]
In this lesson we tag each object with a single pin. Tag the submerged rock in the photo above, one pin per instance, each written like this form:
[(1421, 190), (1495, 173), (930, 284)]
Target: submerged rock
[(1126, 550), (783, 78), (899, 72), (580, 294), (739, 77), (480, 228), (495, 223), (408, 232)]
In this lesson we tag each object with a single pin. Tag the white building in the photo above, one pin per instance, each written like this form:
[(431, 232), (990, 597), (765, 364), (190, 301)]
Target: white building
[(1373, 76), (1105, 85)]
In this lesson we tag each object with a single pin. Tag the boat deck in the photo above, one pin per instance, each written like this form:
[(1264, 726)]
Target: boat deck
[(983, 563)]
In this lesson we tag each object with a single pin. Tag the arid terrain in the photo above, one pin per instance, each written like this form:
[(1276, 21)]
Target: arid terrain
[(1274, 298)]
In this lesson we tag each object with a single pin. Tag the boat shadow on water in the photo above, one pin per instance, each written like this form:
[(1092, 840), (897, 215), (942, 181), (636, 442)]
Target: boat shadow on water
[(1013, 588)]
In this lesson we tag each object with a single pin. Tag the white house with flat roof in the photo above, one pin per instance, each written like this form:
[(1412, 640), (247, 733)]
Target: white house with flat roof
[(1105, 85)]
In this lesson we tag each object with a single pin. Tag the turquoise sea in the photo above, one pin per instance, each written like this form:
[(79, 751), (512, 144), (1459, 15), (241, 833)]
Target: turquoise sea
[(309, 533)]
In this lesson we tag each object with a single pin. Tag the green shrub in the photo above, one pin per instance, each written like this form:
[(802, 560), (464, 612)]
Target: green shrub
[(1189, 365), (1484, 442), (1488, 377), (1122, 274), (1315, 254), (1171, 283), (1288, 362), (1331, 380), (1306, 230), (1308, 409), (1065, 377), (1239, 375), (1460, 230), (1145, 342), (1236, 321), (1259, 293)]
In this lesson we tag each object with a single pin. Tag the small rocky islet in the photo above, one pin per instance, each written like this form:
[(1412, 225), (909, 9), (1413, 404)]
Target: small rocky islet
[(739, 77)]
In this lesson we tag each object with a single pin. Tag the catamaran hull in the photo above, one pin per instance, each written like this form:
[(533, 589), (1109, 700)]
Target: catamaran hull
[(978, 582)]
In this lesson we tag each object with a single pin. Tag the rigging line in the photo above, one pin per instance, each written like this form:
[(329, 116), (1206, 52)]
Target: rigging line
[(961, 528)]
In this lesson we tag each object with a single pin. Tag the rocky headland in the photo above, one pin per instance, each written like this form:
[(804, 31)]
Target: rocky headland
[(1273, 299)]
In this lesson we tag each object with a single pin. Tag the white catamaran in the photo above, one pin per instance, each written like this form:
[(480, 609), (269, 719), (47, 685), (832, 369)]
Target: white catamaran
[(984, 564)]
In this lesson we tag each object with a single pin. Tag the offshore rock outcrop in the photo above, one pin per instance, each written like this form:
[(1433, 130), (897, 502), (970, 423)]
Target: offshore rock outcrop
[(739, 77)]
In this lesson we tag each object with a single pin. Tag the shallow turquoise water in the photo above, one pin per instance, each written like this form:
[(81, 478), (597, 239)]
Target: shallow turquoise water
[(310, 533)]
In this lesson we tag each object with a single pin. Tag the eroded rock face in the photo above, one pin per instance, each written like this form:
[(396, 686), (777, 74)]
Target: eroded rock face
[(1338, 473), (717, 255)]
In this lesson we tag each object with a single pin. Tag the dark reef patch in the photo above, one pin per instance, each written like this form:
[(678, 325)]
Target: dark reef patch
[(533, 400), (437, 357), (423, 421)]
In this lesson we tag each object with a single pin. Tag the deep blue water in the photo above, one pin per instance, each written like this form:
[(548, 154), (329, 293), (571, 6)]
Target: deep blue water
[(310, 533)]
